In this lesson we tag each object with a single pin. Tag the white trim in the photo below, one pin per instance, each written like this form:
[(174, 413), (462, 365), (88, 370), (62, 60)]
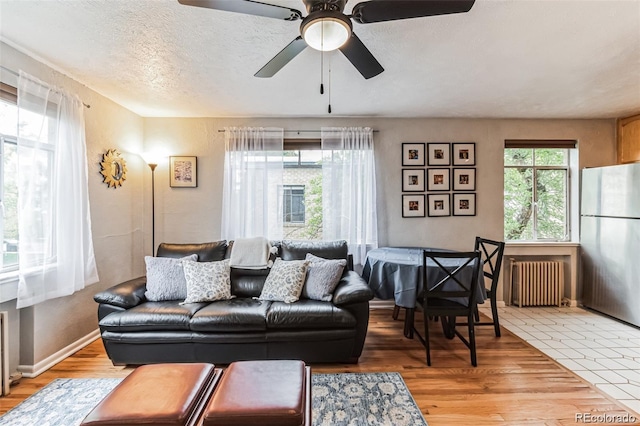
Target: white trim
[(381, 304), (31, 371)]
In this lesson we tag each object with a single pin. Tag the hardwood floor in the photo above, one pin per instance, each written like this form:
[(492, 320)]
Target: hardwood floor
[(514, 383)]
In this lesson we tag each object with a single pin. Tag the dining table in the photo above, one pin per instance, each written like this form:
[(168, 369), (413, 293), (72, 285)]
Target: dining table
[(396, 273)]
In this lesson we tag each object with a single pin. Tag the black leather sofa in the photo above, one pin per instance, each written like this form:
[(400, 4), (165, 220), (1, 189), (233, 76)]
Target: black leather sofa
[(136, 331)]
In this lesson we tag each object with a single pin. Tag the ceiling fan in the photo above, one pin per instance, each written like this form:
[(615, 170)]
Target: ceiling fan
[(327, 28)]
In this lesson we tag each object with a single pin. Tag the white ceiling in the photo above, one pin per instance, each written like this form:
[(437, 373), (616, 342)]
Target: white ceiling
[(503, 59)]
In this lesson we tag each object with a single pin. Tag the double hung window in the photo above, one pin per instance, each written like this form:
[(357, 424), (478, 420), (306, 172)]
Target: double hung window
[(536, 191)]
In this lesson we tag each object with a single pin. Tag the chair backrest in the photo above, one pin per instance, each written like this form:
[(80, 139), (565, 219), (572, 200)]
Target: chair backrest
[(450, 275), (491, 253)]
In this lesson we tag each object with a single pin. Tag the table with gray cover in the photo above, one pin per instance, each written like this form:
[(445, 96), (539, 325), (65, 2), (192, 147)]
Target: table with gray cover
[(396, 273)]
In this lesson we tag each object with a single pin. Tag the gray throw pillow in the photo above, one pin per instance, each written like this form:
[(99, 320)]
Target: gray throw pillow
[(165, 278), (284, 282), (323, 277), (207, 281)]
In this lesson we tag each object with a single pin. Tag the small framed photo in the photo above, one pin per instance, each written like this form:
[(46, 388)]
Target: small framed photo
[(183, 172), (413, 154), (439, 205), (413, 205), (464, 154), (438, 154), (464, 179), (464, 204), (412, 180), (438, 179)]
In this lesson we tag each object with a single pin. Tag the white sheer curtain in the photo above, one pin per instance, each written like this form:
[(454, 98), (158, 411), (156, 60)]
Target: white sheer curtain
[(251, 202), (349, 189), (55, 247)]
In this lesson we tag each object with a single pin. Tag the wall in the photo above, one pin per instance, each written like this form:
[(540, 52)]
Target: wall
[(189, 215), (40, 331)]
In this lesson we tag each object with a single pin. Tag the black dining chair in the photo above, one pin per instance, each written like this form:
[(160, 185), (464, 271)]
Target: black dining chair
[(450, 291), (491, 253)]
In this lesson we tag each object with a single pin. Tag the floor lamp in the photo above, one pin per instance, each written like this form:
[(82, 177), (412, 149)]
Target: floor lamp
[(152, 162)]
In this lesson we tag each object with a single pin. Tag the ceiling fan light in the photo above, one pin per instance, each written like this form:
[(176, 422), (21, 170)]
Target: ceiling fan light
[(326, 34)]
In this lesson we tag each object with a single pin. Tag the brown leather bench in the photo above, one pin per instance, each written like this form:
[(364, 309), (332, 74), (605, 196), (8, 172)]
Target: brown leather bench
[(266, 393), (158, 394), (269, 393)]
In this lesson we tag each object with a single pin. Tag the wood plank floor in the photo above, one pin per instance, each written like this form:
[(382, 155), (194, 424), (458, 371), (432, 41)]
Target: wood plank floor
[(514, 383)]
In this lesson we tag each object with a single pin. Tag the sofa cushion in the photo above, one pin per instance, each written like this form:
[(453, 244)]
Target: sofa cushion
[(297, 250), (152, 316), (207, 281), (235, 315), (207, 252), (165, 278), (248, 282), (284, 282), (308, 314), (323, 276)]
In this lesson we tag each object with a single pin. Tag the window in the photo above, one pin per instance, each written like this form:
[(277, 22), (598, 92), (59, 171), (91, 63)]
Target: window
[(8, 185), (293, 204), (302, 190), (536, 191)]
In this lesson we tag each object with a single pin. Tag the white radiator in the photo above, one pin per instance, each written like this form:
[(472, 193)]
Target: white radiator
[(4, 353), (538, 283)]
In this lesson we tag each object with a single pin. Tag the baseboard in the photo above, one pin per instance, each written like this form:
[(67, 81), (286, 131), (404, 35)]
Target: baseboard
[(30, 371), (381, 304)]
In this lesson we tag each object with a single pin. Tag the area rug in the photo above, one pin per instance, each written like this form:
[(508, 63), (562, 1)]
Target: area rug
[(349, 399)]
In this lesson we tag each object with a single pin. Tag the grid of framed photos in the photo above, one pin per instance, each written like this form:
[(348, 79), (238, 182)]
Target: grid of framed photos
[(446, 172)]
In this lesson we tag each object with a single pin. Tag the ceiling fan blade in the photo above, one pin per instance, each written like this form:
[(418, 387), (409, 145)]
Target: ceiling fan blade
[(361, 58), (248, 7), (391, 10), (281, 59)]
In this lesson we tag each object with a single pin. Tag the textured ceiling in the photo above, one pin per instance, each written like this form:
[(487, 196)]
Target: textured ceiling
[(503, 59)]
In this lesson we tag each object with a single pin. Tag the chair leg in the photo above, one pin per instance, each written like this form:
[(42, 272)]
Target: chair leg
[(494, 313), (396, 310), (426, 338), (472, 341), (476, 314)]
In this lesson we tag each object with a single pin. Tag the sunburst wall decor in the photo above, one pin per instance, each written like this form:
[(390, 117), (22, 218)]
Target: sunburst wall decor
[(113, 168)]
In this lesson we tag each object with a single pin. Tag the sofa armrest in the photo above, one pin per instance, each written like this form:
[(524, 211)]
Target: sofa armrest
[(351, 289), (125, 295)]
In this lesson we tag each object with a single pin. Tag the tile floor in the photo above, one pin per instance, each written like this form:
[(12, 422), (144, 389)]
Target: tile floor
[(603, 351)]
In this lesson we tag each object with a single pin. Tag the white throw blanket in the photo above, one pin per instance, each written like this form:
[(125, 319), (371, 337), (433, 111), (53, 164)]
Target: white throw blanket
[(250, 253)]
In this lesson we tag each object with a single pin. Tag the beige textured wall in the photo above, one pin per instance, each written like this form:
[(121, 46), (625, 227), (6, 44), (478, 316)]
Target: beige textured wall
[(189, 215), (117, 222)]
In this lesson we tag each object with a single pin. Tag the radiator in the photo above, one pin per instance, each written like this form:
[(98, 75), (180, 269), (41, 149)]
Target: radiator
[(537, 283), (4, 353)]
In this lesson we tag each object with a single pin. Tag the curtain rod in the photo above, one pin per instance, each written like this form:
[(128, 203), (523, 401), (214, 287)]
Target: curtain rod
[(296, 131), (10, 71)]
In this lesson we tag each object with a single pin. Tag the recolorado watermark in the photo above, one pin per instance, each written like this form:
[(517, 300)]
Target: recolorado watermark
[(605, 418)]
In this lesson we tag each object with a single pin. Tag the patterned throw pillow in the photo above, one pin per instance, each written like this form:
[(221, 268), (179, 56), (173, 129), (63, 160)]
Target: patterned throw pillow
[(284, 282), (207, 281), (165, 278), (323, 277)]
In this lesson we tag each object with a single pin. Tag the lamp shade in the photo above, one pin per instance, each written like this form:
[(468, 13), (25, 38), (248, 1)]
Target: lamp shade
[(326, 33)]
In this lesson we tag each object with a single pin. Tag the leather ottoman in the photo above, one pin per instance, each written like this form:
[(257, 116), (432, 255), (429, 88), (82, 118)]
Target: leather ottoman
[(265, 393), (159, 394)]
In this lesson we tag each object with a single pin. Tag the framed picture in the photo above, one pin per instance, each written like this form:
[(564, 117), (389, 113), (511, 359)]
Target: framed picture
[(438, 179), (413, 205), (183, 172), (464, 204), (413, 154), (464, 154), (412, 180), (464, 179), (439, 205), (439, 154)]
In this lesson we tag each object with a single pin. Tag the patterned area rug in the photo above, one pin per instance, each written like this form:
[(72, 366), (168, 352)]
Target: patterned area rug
[(338, 399)]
